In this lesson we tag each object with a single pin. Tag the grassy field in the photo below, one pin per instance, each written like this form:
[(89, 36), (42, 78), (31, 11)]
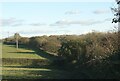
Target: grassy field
[(27, 64), (32, 73), (9, 51)]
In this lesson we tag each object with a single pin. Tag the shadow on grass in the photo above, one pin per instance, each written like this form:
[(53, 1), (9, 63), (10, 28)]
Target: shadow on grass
[(23, 52), (36, 51), (19, 46), (30, 66), (40, 52), (55, 72), (35, 74), (13, 46), (45, 54), (21, 79)]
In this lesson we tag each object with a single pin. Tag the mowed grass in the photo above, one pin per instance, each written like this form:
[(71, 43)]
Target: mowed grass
[(22, 73), (33, 73), (17, 70), (0, 50), (9, 51)]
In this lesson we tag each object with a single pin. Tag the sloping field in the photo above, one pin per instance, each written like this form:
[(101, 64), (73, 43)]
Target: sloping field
[(9, 51), (27, 64)]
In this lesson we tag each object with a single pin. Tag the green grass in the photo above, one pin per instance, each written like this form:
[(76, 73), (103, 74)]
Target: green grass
[(9, 51), (28, 64), (33, 73), (0, 50)]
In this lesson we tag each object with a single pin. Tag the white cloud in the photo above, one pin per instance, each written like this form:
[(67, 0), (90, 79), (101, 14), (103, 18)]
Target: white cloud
[(108, 19), (73, 12), (11, 22), (37, 24), (79, 22), (101, 11), (47, 31), (18, 22), (35, 32)]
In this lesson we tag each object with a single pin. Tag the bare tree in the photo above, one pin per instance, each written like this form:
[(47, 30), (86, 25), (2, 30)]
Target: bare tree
[(116, 12)]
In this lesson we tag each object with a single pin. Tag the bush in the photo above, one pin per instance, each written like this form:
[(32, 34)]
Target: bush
[(52, 45), (94, 53), (24, 40)]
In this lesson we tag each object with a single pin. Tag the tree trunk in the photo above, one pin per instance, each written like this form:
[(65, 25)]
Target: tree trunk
[(17, 44)]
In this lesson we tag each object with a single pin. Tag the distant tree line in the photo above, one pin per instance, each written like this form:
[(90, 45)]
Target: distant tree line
[(95, 54)]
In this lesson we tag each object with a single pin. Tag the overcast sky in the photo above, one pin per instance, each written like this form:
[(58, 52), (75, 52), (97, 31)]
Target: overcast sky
[(55, 18)]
